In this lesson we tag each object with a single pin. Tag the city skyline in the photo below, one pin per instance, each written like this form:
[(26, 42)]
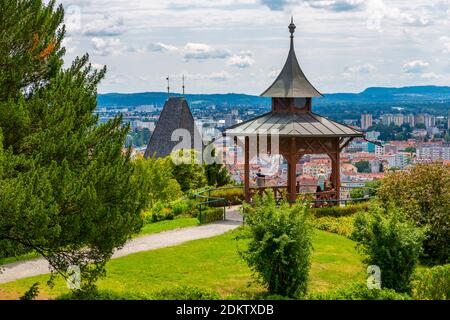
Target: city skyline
[(239, 45)]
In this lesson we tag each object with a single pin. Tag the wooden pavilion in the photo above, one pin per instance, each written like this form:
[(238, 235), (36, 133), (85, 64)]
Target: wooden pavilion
[(296, 128)]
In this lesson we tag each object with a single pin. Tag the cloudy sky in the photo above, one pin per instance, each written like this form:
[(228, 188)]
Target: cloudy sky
[(240, 46)]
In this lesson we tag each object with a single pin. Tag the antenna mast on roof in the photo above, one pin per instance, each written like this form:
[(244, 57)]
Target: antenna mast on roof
[(168, 87), (183, 83)]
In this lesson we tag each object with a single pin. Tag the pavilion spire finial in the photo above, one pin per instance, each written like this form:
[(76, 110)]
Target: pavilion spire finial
[(292, 27)]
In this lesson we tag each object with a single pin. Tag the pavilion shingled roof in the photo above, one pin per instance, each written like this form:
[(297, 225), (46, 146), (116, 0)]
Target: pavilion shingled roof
[(306, 124)]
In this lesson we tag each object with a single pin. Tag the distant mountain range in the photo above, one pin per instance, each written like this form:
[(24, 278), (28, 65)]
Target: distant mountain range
[(404, 95), (158, 98), (384, 94)]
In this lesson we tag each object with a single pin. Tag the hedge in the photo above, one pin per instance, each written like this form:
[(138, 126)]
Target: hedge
[(185, 293), (337, 211), (359, 292), (432, 283), (168, 211), (211, 215), (233, 196), (339, 225)]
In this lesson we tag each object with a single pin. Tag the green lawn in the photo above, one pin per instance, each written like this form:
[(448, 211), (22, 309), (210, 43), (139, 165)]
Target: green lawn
[(209, 263), (168, 225)]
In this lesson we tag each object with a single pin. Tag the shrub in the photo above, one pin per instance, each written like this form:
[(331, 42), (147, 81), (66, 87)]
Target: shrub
[(158, 214), (423, 193), (388, 241), (360, 292), (161, 211), (182, 206), (432, 283), (279, 247), (185, 293), (101, 295), (233, 196), (176, 293), (373, 186), (340, 225), (211, 215), (337, 211), (357, 193)]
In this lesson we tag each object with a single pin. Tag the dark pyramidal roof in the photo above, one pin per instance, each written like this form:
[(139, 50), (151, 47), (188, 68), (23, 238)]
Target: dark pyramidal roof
[(174, 115), (291, 82)]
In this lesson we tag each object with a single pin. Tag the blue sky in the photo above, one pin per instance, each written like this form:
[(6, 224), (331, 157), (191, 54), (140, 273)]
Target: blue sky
[(239, 46)]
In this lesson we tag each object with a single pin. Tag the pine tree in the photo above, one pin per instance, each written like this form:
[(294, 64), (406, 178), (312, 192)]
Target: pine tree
[(67, 189)]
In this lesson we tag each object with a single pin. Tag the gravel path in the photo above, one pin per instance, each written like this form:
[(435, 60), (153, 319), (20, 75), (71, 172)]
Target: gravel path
[(30, 268)]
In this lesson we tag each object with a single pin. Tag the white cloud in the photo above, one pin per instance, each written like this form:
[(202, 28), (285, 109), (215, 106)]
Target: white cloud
[(219, 76), (117, 79), (70, 44), (242, 60), (104, 25), (445, 43), (360, 69), (429, 75), (97, 66), (331, 5), (337, 5), (161, 47), (379, 13), (420, 20), (107, 46), (332, 38), (415, 66), (201, 51)]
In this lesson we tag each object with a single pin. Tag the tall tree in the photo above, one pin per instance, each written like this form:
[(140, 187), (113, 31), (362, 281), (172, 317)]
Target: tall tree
[(216, 173), (187, 171), (67, 189)]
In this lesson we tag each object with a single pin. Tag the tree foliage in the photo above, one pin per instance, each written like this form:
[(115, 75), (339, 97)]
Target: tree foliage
[(216, 174), (392, 131), (279, 250), (161, 184), (432, 283), (423, 193), (67, 189), (363, 166), (188, 170), (386, 239)]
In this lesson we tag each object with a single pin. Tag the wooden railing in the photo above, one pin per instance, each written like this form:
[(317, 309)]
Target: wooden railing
[(319, 199), (278, 191)]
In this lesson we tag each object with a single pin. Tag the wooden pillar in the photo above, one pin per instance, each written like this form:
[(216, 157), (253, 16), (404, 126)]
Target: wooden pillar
[(292, 178), (235, 151), (288, 176), (337, 175), (224, 148), (247, 170), (336, 168)]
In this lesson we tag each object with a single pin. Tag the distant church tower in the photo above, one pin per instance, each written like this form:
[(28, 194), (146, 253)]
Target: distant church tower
[(174, 115)]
